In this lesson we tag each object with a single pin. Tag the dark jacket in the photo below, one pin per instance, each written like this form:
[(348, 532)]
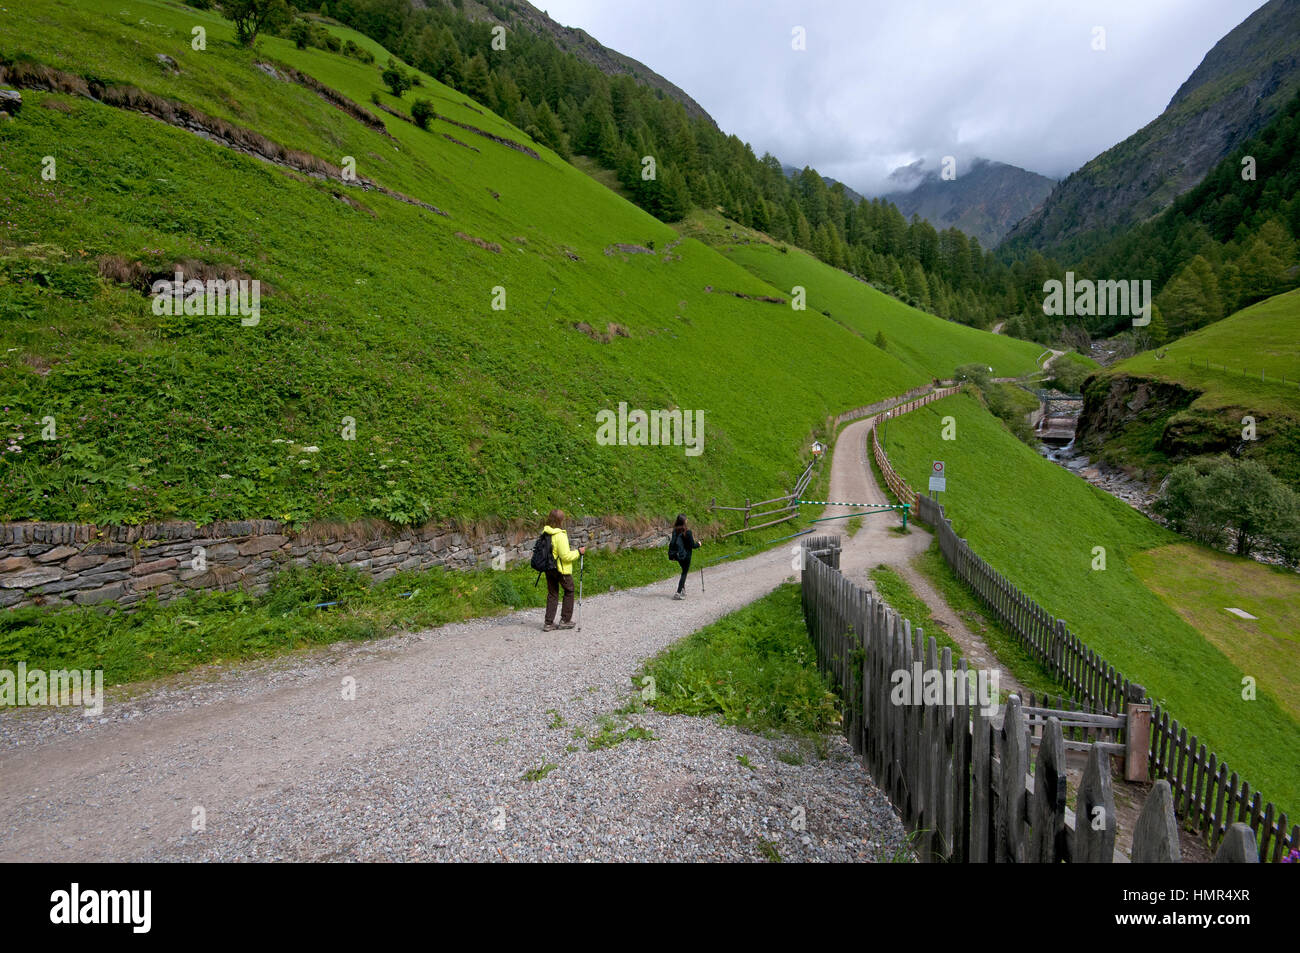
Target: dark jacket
[(688, 543)]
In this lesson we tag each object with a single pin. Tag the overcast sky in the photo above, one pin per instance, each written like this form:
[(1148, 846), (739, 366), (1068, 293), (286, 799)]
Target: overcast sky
[(883, 83)]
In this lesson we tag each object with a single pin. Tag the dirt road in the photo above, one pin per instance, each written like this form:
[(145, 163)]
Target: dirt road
[(431, 758)]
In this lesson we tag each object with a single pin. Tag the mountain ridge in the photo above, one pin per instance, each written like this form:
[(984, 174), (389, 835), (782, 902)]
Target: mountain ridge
[(1238, 88), (985, 201), (586, 47)]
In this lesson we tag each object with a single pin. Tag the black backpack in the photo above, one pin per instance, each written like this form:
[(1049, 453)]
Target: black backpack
[(676, 547), (543, 556)]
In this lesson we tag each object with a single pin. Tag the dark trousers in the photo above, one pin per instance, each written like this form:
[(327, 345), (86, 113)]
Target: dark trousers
[(686, 568), (555, 580)]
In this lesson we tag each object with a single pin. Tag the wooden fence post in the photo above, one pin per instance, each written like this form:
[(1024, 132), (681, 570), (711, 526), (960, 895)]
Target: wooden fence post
[(1155, 836), (1238, 847), (1096, 802), (1137, 738), (981, 803), (960, 791), (1011, 806), (1048, 809)]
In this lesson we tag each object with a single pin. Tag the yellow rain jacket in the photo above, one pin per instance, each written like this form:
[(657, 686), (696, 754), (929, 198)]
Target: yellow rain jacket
[(564, 556)]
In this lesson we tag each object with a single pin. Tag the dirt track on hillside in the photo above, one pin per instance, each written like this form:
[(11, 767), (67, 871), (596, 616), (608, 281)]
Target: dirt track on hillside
[(278, 765)]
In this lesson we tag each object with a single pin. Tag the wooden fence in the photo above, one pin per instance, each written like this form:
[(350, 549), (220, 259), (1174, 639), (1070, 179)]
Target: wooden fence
[(956, 773), (1205, 792), (897, 484), (784, 507), (867, 411)]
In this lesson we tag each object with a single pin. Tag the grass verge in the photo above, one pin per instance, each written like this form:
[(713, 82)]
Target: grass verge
[(755, 668), (900, 597), (1008, 650)]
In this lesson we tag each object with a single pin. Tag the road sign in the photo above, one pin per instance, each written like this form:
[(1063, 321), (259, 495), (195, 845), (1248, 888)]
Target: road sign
[(938, 478)]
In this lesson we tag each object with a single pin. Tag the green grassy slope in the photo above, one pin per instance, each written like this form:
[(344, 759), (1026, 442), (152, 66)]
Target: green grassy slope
[(379, 312), (1262, 339), (923, 341), (1038, 524), (1203, 408)]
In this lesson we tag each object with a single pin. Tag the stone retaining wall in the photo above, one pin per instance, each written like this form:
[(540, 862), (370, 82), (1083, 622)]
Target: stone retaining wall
[(68, 563)]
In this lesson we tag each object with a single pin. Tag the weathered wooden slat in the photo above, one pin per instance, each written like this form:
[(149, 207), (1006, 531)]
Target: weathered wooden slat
[(1155, 836), (981, 782), (960, 791), (1011, 809), (943, 762), (1047, 811), (1265, 830), (1094, 814), (1238, 846)]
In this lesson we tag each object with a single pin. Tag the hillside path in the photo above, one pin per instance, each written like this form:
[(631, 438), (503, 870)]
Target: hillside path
[(268, 760), (851, 473)]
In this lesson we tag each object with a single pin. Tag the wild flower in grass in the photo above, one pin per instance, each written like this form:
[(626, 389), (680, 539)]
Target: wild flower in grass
[(1292, 858)]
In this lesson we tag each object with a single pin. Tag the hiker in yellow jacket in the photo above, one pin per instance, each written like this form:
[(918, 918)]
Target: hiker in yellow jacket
[(561, 577)]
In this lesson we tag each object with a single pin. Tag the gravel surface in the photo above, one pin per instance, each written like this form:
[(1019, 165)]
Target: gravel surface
[(428, 761)]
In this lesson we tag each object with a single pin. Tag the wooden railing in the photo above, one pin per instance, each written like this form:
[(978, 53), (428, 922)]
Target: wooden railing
[(956, 773), (897, 484), (1204, 791), (787, 508)]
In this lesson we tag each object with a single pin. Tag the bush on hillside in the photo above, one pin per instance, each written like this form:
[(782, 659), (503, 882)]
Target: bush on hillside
[(1001, 402), (977, 374), (395, 79), (422, 112), (253, 16), (365, 56), (1069, 375), (1223, 500), (300, 33)]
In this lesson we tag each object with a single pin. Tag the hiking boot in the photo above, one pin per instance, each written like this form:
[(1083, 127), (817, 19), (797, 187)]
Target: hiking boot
[(564, 625), (548, 627), (679, 595)]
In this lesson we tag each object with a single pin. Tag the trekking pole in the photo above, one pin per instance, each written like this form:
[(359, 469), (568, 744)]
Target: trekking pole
[(581, 566)]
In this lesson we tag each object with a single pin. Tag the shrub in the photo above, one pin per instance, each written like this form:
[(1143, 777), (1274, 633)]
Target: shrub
[(1211, 500), (252, 16), (1069, 375), (422, 112), (977, 374), (395, 78), (365, 56), (300, 33)]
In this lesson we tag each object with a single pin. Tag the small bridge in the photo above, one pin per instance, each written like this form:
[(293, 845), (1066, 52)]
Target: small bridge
[(1059, 416)]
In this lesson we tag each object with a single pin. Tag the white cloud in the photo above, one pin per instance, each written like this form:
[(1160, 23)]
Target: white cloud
[(882, 83)]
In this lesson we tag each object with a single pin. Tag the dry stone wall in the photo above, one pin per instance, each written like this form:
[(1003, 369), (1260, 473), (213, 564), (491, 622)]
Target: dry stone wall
[(57, 564)]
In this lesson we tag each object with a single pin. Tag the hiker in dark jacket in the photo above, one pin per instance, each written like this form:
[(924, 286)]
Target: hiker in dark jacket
[(561, 577), (683, 543)]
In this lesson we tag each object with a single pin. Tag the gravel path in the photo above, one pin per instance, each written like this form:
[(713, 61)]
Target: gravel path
[(429, 760)]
